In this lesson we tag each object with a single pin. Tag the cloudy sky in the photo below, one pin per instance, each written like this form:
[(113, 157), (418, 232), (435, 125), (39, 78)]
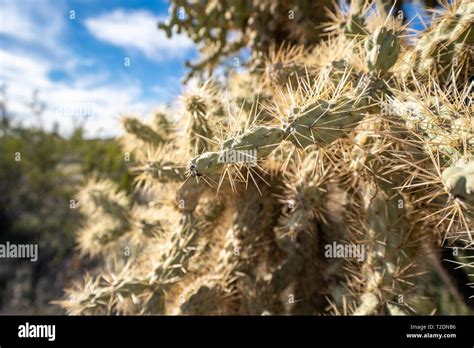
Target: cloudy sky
[(90, 61)]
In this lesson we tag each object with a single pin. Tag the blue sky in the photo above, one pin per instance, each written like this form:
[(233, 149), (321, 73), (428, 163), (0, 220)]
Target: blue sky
[(75, 53)]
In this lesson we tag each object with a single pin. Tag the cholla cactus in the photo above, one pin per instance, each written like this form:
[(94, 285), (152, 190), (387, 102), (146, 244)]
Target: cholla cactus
[(446, 48), (258, 23), (107, 210), (459, 180), (382, 49), (312, 182)]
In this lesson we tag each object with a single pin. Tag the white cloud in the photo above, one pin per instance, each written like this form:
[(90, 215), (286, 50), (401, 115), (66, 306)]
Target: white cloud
[(14, 22), (137, 30), (24, 69), (99, 106), (32, 22)]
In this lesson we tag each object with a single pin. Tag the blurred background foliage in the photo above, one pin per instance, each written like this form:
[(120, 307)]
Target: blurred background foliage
[(39, 173)]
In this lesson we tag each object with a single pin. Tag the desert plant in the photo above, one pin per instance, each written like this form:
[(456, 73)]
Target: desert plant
[(352, 161)]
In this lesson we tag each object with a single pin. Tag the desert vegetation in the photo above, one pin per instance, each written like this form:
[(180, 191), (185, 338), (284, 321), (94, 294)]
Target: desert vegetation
[(320, 160)]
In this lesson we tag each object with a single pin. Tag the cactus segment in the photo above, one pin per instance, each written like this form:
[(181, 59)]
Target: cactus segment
[(262, 139), (322, 123), (382, 49), (459, 180), (142, 131), (206, 164)]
